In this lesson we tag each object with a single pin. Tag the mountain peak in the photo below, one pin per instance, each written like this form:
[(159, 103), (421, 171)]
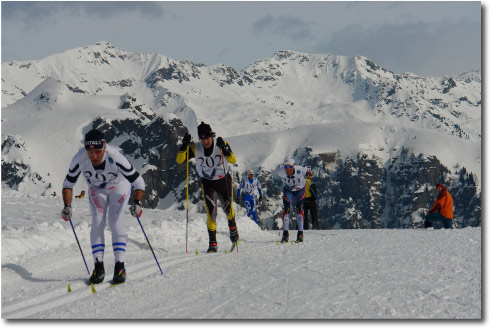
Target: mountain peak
[(103, 45)]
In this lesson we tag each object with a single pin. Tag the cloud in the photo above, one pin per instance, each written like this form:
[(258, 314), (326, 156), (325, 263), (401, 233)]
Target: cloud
[(284, 26), (36, 11), (427, 49)]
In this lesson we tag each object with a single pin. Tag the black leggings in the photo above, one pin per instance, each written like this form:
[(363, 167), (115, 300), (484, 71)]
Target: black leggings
[(447, 223), (310, 206), (221, 189)]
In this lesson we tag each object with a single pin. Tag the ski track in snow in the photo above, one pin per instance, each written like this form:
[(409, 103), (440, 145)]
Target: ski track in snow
[(334, 274)]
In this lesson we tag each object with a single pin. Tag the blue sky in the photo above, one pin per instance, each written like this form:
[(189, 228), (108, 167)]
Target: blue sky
[(425, 38)]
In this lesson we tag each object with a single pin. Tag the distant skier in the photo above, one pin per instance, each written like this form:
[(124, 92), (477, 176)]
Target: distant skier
[(216, 182), (442, 209), (294, 179), (249, 185), (311, 203), (109, 176)]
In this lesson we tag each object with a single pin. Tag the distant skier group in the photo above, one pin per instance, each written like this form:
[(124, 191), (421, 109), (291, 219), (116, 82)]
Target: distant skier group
[(110, 178), (212, 160)]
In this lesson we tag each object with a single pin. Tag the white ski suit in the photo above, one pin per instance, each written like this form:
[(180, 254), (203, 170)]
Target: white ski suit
[(109, 190)]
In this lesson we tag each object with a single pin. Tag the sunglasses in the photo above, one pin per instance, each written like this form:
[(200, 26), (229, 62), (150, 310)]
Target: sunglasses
[(288, 166)]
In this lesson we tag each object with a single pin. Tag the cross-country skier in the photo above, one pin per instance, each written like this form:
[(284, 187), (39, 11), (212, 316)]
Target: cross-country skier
[(442, 210), (294, 179), (212, 160), (310, 203), (249, 185), (109, 176)]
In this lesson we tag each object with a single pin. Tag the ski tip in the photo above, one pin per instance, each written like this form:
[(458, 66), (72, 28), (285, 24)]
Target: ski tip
[(113, 284)]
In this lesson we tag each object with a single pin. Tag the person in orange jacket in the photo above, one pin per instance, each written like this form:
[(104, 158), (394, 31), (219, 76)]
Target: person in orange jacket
[(442, 210)]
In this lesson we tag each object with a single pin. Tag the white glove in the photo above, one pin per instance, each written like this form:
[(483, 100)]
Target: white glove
[(136, 209), (66, 213)]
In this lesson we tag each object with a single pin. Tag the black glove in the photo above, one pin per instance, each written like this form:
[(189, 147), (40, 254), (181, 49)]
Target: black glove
[(260, 198), (186, 140), (237, 200), (220, 142), (225, 148)]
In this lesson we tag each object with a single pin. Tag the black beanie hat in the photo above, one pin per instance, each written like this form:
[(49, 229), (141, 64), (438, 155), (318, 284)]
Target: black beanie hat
[(204, 131), (94, 139)]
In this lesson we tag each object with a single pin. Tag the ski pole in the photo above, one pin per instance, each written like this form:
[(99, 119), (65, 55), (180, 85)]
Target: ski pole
[(80, 248), (149, 245), (187, 197)]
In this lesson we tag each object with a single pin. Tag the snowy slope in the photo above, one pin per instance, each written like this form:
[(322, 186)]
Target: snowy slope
[(381, 140), (268, 110), (52, 121), (335, 274)]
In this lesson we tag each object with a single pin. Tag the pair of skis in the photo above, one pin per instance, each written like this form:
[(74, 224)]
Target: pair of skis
[(232, 249), (287, 242), (92, 286)]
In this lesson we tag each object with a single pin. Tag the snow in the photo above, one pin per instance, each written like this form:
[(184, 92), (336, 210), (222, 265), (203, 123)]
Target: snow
[(385, 141), (334, 274), (312, 100), (295, 100)]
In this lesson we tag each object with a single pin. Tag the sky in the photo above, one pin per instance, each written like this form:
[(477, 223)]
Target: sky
[(426, 38)]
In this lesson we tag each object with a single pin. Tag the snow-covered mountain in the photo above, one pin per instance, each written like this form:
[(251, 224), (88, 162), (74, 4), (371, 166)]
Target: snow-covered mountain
[(326, 110), (290, 89)]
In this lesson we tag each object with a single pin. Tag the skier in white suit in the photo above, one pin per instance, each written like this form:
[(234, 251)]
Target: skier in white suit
[(294, 179), (109, 176)]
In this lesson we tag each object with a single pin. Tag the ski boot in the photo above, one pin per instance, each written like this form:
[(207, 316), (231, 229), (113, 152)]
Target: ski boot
[(285, 236), (98, 274), (233, 231), (119, 273), (299, 239), (213, 248), (213, 244)]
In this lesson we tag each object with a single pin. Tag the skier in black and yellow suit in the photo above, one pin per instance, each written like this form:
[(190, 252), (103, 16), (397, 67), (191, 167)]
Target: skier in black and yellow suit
[(311, 203), (212, 160)]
